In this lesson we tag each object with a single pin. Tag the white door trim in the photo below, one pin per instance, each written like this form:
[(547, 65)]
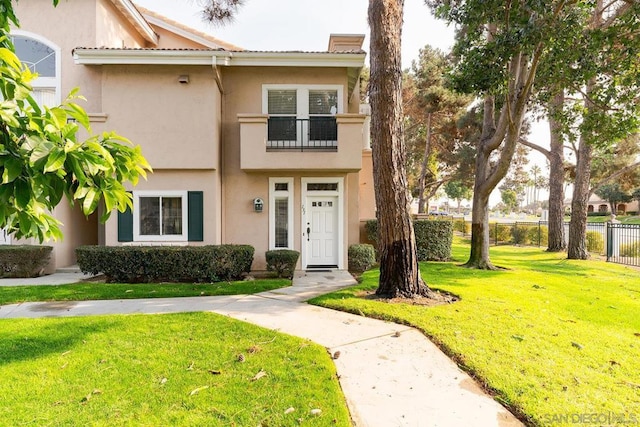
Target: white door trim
[(341, 215)]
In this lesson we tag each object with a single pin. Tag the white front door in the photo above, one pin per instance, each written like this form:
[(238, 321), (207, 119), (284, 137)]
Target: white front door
[(322, 231)]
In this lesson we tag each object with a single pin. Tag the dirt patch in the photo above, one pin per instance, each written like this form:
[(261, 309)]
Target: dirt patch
[(439, 298), (53, 306)]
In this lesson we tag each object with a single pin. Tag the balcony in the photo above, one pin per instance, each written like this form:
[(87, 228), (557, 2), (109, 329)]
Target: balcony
[(313, 134), (323, 143)]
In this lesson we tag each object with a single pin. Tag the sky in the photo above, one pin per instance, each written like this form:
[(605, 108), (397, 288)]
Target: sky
[(307, 24)]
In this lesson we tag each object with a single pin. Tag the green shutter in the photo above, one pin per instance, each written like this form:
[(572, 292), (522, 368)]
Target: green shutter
[(125, 226), (195, 216)]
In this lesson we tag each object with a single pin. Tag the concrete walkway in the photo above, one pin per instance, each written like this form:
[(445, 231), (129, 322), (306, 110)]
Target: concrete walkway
[(391, 375)]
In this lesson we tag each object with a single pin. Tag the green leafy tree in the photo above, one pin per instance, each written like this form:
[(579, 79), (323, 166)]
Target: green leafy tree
[(458, 191), (586, 50), (41, 159), (499, 50), (509, 199), (590, 81), (432, 110), (613, 194), (635, 195)]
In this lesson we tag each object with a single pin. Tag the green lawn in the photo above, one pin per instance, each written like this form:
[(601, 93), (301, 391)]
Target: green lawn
[(625, 219), (106, 291), (549, 336), (172, 370)]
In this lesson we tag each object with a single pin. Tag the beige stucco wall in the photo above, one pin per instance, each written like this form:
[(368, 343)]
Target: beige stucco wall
[(113, 29), (174, 123), (243, 95), (169, 40), (367, 194), (188, 132), (77, 230)]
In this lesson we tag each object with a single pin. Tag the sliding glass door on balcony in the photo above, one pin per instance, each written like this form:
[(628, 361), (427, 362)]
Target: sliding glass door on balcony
[(302, 119)]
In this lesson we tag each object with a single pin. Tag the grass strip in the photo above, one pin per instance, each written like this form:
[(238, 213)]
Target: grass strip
[(174, 369), (108, 291), (553, 338)]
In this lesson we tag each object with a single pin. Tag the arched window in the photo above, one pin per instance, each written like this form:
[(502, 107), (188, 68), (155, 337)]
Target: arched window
[(42, 57)]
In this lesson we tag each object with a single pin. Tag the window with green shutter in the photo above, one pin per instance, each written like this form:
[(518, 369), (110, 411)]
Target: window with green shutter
[(163, 216)]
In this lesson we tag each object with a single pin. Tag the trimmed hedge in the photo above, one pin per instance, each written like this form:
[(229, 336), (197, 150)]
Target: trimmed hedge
[(145, 264), (361, 257), (282, 261), (532, 235), (501, 233), (433, 238), (595, 242), (462, 226), (20, 261), (630, 249)]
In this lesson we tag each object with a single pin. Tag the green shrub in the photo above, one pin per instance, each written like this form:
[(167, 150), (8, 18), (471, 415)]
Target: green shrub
[(520, 234), (595, 242), (136, 264), (231, 261), (282, 261), (462, 226), (598, 213), (371, 228), (361, 257), (23, 260), (433, 238), (542, 231), (630, 249), (501, 233)]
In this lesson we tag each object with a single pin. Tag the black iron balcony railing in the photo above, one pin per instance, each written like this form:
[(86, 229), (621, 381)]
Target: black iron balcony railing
[(312, 134)]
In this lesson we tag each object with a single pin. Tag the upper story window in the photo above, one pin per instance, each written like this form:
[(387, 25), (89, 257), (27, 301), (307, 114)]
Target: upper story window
[(302, 117), (42, 57)]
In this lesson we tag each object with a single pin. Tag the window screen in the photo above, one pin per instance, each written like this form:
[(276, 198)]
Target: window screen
[(282, 102), (282, 222), (323, 102), (160, 216)]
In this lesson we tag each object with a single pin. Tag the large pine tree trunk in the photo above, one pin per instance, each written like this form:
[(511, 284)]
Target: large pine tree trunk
[(577, 248), (399, 271), (557, 241)]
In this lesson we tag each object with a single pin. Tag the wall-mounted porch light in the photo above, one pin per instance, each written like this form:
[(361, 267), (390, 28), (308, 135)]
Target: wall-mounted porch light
[(258, 204)]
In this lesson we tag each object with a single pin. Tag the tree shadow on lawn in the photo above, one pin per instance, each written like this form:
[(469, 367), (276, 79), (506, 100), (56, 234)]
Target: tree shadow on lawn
[(28, 339)]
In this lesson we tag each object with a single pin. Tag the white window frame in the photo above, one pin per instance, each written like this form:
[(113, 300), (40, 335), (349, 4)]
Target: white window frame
[(302, 96), (273, 195), (340, 194), (137, 237), (46, 82)]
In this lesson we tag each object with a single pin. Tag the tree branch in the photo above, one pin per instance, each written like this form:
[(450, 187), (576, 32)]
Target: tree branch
[(614, 176), (536, 147)]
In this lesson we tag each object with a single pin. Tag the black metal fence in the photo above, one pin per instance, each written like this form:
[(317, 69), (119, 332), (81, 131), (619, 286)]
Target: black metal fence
[(619, 242), (623, 243)]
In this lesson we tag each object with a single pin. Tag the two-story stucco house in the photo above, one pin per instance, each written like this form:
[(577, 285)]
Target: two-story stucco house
[(252, 147)]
